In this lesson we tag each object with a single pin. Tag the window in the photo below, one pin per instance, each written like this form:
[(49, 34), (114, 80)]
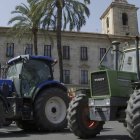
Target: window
[(47, 50), (10, 50), (124, 19), (107, 22), (66, 76), (84, 55), (34, 72), (66, 52), (102, 52), (29, 49), (84, 76)]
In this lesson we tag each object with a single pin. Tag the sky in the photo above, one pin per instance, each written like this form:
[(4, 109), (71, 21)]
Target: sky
[(93, 24)]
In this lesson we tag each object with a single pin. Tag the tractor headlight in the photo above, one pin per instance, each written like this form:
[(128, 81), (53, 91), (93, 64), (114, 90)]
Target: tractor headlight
[(99, 102), (91, 102), (107, 102)]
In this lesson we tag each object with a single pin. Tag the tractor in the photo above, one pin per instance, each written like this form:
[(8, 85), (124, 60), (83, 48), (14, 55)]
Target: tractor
[(31, 97), (114, 95)]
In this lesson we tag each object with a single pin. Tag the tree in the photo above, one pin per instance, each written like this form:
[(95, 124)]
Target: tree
[(27, 21), (64, 13)]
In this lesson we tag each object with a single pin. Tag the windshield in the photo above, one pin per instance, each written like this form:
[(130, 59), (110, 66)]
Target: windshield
[(129, 62), (108, 60), (33, 73), (126, 60), (37, 71), (14, 70)]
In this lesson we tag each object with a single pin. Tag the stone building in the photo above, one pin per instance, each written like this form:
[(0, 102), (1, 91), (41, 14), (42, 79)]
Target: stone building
[(82, 51), (120, 18)]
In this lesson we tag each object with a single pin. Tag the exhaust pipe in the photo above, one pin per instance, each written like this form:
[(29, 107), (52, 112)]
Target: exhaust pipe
[(137, 58)]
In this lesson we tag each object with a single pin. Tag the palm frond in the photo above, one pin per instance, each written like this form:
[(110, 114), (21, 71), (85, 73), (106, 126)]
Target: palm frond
[(17, 18)]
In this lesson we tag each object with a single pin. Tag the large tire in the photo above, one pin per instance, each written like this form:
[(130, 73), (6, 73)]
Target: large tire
[(78, 118), (133, 115), (27, 125), (50, 109)]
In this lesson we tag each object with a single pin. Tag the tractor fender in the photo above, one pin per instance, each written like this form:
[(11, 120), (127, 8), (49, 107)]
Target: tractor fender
[(48, 84)]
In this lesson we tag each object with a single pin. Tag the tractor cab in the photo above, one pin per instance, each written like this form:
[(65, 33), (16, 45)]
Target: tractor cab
[(109, 59), (125, 61), (28, 72)]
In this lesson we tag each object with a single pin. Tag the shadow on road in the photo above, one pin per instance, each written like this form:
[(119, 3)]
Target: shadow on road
[(106, 129), (13, 134), (20, 134), (110, 137), (12, 131)]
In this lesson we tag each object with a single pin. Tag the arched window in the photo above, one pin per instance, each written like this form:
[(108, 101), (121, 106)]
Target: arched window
[(124, 19), (107, 22)]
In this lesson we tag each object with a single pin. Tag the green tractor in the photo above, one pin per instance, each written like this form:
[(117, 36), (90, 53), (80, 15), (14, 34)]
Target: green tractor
[(31, 97), (114, 95)]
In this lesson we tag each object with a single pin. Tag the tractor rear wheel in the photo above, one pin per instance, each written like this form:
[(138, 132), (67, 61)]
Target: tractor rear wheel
[(78, 118), (133, 115), (50, 109)]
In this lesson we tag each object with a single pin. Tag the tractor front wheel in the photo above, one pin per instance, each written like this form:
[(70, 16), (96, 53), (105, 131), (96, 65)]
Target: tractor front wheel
[(51, 108), (133, 115), (78, 118)]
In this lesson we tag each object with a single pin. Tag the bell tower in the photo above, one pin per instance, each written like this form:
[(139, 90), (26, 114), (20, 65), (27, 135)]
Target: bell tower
[(120, 18), (122, 1)]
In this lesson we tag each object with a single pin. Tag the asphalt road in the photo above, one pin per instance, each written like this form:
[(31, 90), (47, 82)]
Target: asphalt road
[(111, 131)]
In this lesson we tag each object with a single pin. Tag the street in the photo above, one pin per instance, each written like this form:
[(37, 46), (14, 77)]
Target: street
[(111, 131)]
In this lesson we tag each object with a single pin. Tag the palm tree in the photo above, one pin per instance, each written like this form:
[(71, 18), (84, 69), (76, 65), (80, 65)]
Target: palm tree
[(25, 21), (70, 13)]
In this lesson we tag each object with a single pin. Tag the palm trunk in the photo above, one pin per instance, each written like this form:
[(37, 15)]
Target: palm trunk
[(59, 24), (35, 41)]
